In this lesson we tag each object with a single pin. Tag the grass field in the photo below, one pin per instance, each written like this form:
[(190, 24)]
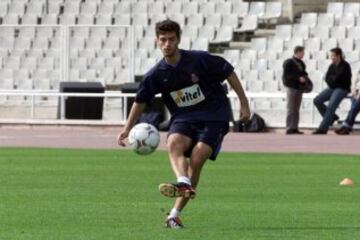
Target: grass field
[(109, 194)]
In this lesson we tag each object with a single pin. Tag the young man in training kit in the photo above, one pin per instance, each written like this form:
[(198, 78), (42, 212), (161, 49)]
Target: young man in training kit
[(190, 84)]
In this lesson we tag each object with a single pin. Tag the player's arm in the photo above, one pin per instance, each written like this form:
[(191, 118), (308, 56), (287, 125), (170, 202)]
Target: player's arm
[(244, 104), (135, 112)]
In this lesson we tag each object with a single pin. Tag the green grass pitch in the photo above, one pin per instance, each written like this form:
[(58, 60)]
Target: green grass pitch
[(112, 194)]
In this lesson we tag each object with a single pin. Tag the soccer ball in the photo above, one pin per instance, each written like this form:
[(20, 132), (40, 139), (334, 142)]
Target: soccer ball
[(144, 138)]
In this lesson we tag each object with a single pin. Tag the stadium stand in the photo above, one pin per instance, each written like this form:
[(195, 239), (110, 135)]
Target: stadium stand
[(32, 46)]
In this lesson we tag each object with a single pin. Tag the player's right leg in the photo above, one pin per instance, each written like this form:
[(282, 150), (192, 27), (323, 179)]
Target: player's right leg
[(178, 144)]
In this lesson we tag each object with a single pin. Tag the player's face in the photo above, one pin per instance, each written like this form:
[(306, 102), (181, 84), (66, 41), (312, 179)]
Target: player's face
[(168, 43)]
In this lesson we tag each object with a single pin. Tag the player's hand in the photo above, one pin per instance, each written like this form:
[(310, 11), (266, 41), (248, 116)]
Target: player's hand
[(302, 80), (244, 112), (122, 136)]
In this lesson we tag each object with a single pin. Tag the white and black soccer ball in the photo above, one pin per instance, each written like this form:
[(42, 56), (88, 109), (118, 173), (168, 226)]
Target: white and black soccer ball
[(144, 138)]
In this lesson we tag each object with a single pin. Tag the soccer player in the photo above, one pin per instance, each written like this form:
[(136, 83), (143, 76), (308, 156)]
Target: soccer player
[(190, 83)]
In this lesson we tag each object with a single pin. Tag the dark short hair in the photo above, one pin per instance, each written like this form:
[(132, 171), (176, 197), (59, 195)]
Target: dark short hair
[(338, 52), (298, 49), (167, 26)]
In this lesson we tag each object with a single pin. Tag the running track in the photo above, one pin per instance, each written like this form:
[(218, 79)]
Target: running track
[(105, 138)]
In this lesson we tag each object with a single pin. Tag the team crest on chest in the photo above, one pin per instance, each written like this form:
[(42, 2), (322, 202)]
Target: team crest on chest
[(188, 96), (194, 78)]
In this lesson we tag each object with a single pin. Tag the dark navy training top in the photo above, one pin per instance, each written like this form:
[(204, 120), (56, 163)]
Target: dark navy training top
[(192, 89)]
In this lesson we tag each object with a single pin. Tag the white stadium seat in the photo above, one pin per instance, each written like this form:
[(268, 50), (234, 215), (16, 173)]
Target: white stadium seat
[(231, 20), (200, 44), (249, 24), (213, 20), (338, 32), (300, 31), (328, 44), (272, 10), (335, 8), (240, 8), (207, 8), (190, 8), (223, 7), (257, 8), (189, 31), (321, 32), (347, 20), (352, 8), (207, 31), (325, 19), (309, 19), (223, 34), (259, 44)]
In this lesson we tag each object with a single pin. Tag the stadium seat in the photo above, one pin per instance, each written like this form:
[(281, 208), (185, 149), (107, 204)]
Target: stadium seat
[(11, 19), (270, 86), (352, 8), (249, 24), (354, 32), (293, 42), (272, 10), (123, 7), (346, 44), (323, 65), (139, 7), (207, 8), (122, 19), (257, 9), (29, 19), (325, 19), (259, 44), (207, 31), (213, 20), (71, 7), (338, 32), (260, 65), (103, 19), (16, 7), (335, 8), (312, 44), (190, 8), (300, 31), (3, 8), (105, 7), (67, 19), (309, 19), (275, 44), (185, 43), (200, 44), (223, 34), (173, 7), (189, 31), (232, 55), (347, 21), (140, 19), (240, 8), (230, 20), (321, 32), (284, 32), (195, 20), (223, 8)]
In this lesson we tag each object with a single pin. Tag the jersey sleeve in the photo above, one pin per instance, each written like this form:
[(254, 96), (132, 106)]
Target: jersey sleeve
[(147, 90), (217, 66)]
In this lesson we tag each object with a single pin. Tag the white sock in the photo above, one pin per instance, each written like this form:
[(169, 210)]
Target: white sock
[(174, 213), (183, 179)]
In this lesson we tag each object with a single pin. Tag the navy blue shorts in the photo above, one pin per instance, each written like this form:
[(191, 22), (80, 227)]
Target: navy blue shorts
[(211, 133)]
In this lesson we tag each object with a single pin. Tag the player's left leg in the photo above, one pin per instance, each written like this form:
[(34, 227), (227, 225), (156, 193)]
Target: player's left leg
[(200, 153)]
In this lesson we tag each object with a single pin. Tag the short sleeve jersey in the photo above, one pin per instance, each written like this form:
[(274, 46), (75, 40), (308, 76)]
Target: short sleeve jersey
[(191, 90)]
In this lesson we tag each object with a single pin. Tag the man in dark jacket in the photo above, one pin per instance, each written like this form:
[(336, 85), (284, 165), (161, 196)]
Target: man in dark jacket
[(338, 79), (294, 78)]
